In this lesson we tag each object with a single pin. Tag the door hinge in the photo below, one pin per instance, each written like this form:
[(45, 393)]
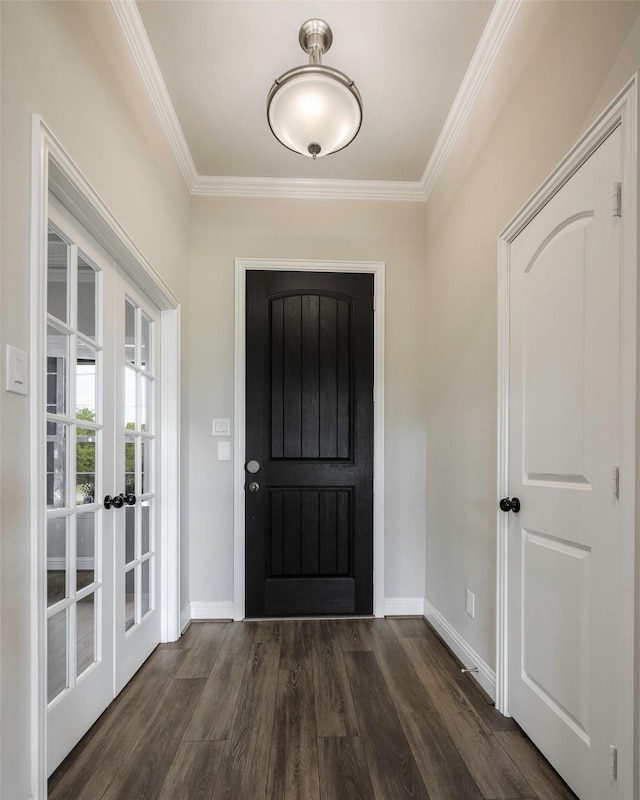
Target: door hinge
[(617, 199), (374, 393), (613, 762), (615, 482), (374, 302)]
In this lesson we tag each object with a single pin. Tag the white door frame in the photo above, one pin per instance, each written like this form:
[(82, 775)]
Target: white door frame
[(377, 269), (622, 112), (53, 169)]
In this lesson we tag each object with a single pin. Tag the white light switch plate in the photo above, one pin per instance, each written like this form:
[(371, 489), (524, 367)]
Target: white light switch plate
[(16, 370), (224, 451), (221, 427)]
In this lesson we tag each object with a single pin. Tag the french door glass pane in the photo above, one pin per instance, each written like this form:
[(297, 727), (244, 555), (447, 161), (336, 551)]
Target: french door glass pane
[(129, 332), (57, 276), (85, 549), (86, 298), (145, 527), (130, 534), (57, 370), (130, 465), (57, 438), (145, 587), (144, 403), (145, 466), (56, 560), (85, 466), (129, 599), (129, 399), (145, 344), (56, 655), (86, 382), (85, 627)]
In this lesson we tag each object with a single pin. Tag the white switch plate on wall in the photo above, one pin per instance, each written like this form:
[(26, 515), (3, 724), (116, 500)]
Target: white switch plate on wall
[(224, 451), (471, 604), (221, 427), (16, 370)]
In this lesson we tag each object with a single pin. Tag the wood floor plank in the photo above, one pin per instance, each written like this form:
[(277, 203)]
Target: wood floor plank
[(449, 664), (406, 691), (141, 775), (185, 641), (203, 652), (393, 769), (344, 772), (267, 630), (335, 712), (193, 771), (118, 733), (354, 635), (211, 719), (490, 717), (491, 768), (542, 777), (486, 710), (443, 769), (297, 644), (245, 766), (293, 767)]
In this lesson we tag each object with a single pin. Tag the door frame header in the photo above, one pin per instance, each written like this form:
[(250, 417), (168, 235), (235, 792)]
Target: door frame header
[(242, 266)]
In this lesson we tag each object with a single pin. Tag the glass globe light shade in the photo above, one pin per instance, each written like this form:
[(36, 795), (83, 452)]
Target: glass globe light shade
[(314, 110)]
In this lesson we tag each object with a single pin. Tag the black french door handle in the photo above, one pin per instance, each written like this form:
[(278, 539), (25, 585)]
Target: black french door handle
[(512, 504), (119, 500)]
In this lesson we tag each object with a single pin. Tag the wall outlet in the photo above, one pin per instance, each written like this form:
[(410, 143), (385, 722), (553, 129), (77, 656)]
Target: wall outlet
[(471, 604)]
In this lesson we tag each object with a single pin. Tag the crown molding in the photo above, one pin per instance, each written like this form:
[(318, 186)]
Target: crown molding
[(498, 25), (136, 37), (222, 186)]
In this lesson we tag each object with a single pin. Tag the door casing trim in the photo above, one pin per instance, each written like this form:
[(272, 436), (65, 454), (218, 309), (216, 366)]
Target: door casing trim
[(242, 266), (54, 170), (623, 112)]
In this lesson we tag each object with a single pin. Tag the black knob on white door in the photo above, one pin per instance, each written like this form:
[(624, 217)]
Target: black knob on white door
[(119, 500), (512, 504)]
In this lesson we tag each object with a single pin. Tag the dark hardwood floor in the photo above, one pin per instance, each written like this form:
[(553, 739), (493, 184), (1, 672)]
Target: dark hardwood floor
[(311, 710)]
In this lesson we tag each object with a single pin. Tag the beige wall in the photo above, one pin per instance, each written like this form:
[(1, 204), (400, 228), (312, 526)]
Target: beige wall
[(561, 64), (68, 63), (307, 229)]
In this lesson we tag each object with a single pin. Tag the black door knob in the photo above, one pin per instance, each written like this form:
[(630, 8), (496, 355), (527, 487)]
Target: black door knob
[(108, 500), (510, 505), (130, 499), (117, 501)]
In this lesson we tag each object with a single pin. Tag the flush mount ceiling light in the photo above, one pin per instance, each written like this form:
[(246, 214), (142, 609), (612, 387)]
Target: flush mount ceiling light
[(314, 110)]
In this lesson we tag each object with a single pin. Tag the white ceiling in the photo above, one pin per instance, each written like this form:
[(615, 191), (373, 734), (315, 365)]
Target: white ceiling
[(218, 59)]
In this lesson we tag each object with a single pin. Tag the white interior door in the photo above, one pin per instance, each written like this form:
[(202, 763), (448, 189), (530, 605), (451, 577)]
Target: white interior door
[(137, 617), (79, 451), (564, 544), (101, 451)]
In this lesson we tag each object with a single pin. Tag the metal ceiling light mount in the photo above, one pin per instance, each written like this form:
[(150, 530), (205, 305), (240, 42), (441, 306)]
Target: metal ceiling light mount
[(314, 110)]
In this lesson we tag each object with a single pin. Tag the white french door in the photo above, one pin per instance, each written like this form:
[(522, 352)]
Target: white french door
[(137, 621), (101, 448)]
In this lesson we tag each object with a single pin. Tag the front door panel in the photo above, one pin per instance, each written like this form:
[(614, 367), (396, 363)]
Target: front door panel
[(310, 430)]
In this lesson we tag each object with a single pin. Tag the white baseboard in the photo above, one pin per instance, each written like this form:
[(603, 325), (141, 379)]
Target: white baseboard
[(218, 610), (185, 618), (485, 676), (403, 606)]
